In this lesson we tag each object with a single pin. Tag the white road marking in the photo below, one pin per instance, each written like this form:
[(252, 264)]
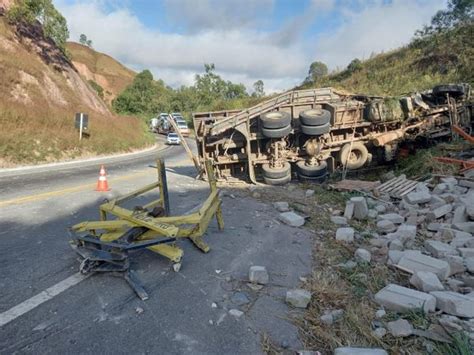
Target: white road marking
[(40, 298)]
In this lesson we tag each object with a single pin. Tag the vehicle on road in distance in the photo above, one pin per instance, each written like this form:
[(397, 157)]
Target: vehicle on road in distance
[(181, 123), (172, 138), (313, 132), (154, 124)]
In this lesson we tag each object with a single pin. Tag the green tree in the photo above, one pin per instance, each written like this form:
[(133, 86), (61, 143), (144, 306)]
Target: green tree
[(459, 12), (83, 39), (316, 71), (89, 43), (258, 89), (43, 11), (354, 65)]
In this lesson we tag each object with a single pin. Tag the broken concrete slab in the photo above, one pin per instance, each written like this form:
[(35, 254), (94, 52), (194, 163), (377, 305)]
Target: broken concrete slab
[(402, 299), (298, 298), (460, 215), (363, 254), (454, 303), (400, 328), (435, 226), (385, 226), (413, 262), (359, 351), (392, 217), (292, 219), (466, 252), (339, 220), (418, 197), (281, 206), (439, 212), (236, 313), (456, 264), (396, 245), (361, 209), (461, 239), (345, 234), (258, 274), (439, 249), (469, 262), (426, 281), (308, 193), (406, 231), (349, 210), (465, 226)]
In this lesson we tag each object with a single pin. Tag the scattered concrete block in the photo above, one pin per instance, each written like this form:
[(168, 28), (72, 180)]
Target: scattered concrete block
[(392, 217), (380, 314), (309, 193), (470, 264), (236, 313), (381, 208), (439, 249), (281, 206), (385, 226), (396, 245), (466, 183), (379, 332), (412, 262), (454, 284), (372, 214), (461, 239), (402, 299), (456, 264), (327, 319), (292, 219), (441, 188), (394, 256), (259, 275), (449, 180), (439, 212), (345, 234), (434, 226), (426, 281), (465, 226), (298, 298), (339, 220), (361, 209), (349, 211), (363, 254), (454, 303), (466, 252), (359, 351), (418, 197), (460, 215), (400, 328), (406, 231)]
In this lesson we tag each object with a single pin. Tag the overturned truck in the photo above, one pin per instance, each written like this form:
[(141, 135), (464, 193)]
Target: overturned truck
[(317, 131)]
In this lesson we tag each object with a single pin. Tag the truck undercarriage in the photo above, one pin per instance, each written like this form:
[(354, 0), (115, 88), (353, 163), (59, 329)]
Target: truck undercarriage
[(316, 131)]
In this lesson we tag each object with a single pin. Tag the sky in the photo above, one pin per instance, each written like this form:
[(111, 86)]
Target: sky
[(247, 40)]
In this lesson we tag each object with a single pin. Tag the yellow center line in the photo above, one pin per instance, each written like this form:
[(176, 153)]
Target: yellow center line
[(49, 194)]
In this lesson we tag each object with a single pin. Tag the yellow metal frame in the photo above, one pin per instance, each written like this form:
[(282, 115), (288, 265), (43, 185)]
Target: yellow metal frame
[(192, 226)]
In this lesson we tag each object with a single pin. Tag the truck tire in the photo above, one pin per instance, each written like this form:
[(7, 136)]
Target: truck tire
[(277, 181), (275, 119), (355, 157), (316, 130), (276, 132), (312, 170), (276, 173), (312, 179), (451, 89), (315, 117)]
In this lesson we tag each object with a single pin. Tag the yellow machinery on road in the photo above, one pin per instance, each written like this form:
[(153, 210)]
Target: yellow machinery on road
[(104, 245)]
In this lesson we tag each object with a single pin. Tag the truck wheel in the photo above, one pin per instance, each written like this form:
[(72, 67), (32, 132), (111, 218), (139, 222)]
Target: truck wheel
[(315, 117), (451, 89), (312, 170), (356, 157), (315, 130), (276, 132), (277, 181), (312, 179), (276, 173), (275, 119)]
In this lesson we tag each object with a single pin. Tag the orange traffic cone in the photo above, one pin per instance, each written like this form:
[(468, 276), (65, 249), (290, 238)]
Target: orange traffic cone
[(102, 184)]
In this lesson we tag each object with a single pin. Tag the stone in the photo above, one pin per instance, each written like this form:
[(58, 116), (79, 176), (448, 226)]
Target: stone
[(337, 314), (435, 227), (436, 201), (379, 332), (418, 197), (339, 220), (449, 180), (380, 314), (281, 206), (395, 245), (395, 218), (345, 234), (292, 219), (349, 211), (426, 281), (469, 264), (298, 298), (461, 239), (402, 299), (439, 249), (361, 209), (466, 183), (359, 351), (259, 275), (256, 195), (381, 208), (439, 212), (466, 252), (236, 313), (363, 254), (413, 262), (460, 215), (456, 264), (327, 319), (239, 298), (400, 328), (454, 284), (406, 231), (454, 303), (441, 188), (309, 193), (394, 256), (465, 226), (385, 226), (372, 214)]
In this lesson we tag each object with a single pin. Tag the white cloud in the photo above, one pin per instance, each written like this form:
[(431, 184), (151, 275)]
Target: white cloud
[(242, 51)]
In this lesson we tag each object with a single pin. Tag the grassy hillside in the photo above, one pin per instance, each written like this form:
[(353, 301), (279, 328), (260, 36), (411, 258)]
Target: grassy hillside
[(100, 68), (443, 58), (40, 91)]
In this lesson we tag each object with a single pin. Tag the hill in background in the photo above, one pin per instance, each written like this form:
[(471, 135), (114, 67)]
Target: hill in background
[(101, 71)]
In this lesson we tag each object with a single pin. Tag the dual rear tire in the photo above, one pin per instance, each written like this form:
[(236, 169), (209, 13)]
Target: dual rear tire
[(315, 122), (275, 124)]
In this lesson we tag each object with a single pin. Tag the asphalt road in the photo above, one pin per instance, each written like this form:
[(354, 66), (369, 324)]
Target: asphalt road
[(188, 311)]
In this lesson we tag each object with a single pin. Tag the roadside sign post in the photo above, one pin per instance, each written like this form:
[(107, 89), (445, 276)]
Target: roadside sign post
[(81, 122)]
